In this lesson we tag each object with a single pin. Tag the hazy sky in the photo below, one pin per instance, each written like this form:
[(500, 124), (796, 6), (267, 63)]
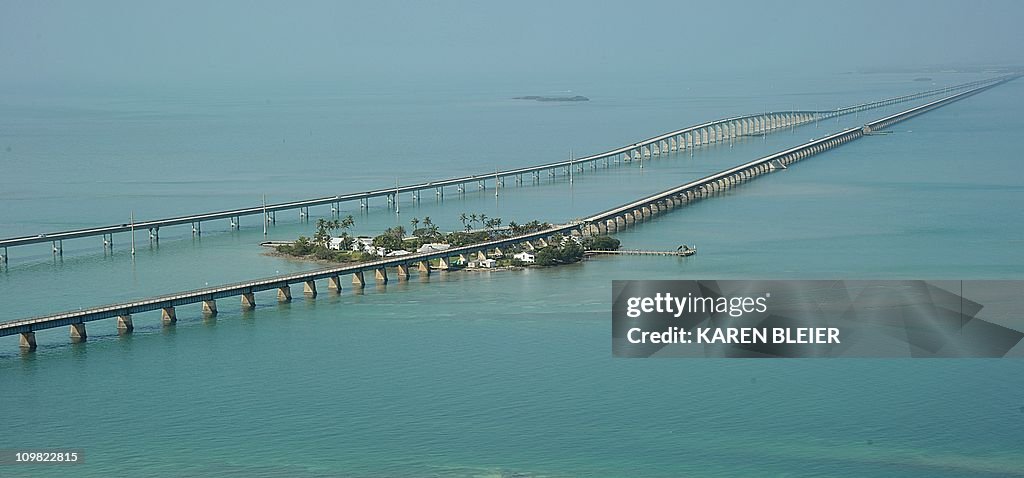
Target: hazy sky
[(139, 42)]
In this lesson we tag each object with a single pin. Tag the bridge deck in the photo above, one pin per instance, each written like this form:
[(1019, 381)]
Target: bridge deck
[(256, 210), (212, 293)]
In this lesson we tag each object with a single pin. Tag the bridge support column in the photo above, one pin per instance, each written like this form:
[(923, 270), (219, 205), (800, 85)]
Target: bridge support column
[(124, 324), (334, 283), (443, 264), (620, 222), (249, 301), (403, 271), (27, 341), (423, 267), (210, 307), (168, 315), (358, 281), (381, 275), (284, 293), (480, 255), (78, 333), (309, 288)]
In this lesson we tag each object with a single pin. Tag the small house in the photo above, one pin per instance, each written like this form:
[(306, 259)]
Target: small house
[(488, 263), (525, 257)]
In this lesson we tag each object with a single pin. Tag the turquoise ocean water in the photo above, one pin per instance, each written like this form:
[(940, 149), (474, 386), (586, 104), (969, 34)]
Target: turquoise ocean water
[(504, 373)]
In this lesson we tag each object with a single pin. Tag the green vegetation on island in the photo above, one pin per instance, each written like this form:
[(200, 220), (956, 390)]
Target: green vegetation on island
[(427, 237)]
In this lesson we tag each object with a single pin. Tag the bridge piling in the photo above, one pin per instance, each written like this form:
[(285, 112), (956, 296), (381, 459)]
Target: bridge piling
[(168, 316), (381, 274), (27, 341), (78, 333), (284, 293), (334, 283), (358, 281), (124, 324), (309, 288), (249, 300), (210, 308)]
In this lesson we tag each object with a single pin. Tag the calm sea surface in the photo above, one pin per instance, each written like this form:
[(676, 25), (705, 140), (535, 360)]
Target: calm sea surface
[(503, 373)]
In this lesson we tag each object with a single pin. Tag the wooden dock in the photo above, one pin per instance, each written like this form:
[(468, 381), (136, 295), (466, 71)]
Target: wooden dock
[(634, 252)]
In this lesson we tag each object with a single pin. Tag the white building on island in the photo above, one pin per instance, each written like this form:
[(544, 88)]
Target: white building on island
[(525, 257)]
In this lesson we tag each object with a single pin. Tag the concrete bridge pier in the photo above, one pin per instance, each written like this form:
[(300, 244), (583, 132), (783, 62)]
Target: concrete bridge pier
[(249, 300), (620, 222), (284, 293), (403, 271), (443, 263), (154, 234), (612, 227), (78, 333), (210, 307), (27, 341), (358, 281), (58, 248), (309, 288), (168, 316), (124, 324), (381, 274), (423, 267), (334, 283)]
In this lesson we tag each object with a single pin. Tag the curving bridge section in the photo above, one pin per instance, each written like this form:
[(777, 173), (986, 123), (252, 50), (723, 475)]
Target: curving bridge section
[(605, 222), (689, 138), (614, 219)]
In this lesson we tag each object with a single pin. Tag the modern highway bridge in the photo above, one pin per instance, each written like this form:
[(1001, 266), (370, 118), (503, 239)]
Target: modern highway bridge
[(712, 132), (609, 221)]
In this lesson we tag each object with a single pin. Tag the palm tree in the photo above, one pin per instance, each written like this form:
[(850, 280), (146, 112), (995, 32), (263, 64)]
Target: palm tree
[(347, 222), (415, 222), (483, 219), (463, 218), (472, 218)]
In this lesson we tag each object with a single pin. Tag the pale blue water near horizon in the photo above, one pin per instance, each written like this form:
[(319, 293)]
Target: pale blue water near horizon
[(506, 373)]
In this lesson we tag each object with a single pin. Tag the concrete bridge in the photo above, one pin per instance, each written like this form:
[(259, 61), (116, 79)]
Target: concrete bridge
[(606, 222), (613, 220), (690, 138)]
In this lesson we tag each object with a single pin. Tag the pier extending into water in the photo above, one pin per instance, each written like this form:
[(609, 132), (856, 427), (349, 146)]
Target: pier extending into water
[(635, 252), (689, 138), (606, 222)]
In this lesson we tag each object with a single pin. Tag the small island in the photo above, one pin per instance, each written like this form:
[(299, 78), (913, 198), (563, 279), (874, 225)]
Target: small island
[(426, 237), (553, 98)]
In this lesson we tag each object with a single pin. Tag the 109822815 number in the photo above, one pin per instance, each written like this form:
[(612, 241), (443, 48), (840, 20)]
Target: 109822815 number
[(46, 457)]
